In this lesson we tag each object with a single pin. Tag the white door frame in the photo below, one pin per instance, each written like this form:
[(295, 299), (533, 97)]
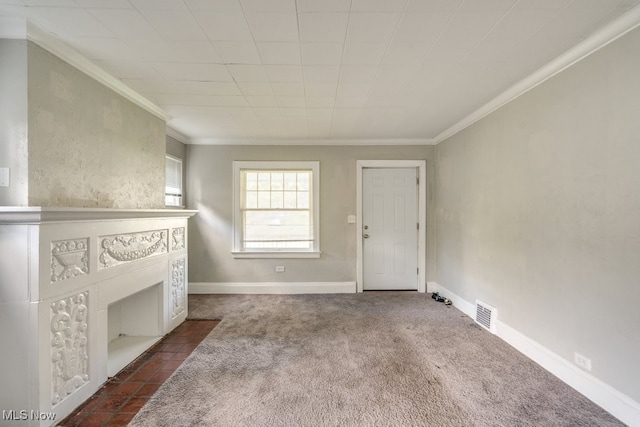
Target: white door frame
[(421, 165)]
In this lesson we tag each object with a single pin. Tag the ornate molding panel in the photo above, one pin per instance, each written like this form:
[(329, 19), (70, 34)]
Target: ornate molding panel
[(125, 248), (177, 236), (69, 258), (69, 357), (178, 291)]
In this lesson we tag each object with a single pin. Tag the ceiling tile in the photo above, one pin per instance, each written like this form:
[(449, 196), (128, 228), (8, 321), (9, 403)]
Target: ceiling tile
[(323, 5), (269, 5), (284, 73), (421, 27), (400, 53), (487, 5), (371, 27), (357, 73), (377, 5), (323, 27), (268, 113), (295, 112), (262, 101), (256, 88), (287, 89), (104, 4), (192, 71), (174, 51), (125, 23), (350, 102), (320, 114), (247, 73), (150, 85), (273, 27), (158, 4), (322, 53), (238, 52), (104, 49), (71, 22), (221, 6), (291, 101), (320, 90), (280, 53), (207, 88), (433, 5), (324, 74), (363, 53), (353, 90), (231, 27), (320, 101), (174, 24)]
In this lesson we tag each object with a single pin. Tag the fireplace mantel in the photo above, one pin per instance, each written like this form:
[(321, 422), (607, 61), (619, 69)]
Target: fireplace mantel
[(64, 272)]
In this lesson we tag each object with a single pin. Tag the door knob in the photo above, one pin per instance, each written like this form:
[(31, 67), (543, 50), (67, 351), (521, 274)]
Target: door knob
[(366, 236)]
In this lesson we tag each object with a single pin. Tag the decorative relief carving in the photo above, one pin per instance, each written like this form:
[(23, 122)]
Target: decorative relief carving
[(177, 293), (69, 258), (69, 346), (124, 248), (178, 239)]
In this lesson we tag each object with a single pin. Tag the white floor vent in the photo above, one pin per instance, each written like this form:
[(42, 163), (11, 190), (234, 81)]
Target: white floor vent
[(486, 316)]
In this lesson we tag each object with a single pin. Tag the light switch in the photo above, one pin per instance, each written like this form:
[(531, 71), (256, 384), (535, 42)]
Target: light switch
[(4, 177), (351, 219)]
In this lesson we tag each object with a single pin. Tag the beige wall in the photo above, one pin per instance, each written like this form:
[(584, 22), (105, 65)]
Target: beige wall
[(209, 182), (88, 146), (13, 120), (538, 213)]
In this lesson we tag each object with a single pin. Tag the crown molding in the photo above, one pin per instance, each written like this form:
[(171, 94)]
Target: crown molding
[(596, 41), (179, 136), (275, 141), (60, 49)]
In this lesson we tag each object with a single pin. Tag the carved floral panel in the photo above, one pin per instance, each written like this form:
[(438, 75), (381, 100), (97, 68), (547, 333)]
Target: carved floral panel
[(69, 258), (177, 239), (177, 292), (124, 248), (69, 356)]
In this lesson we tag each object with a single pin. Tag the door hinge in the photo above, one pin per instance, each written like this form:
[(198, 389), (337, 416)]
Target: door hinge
[(417, 180), (418, 271), (417, 226)]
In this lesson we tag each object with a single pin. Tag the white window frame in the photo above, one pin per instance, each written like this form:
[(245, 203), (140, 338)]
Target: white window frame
[(181, 195), (238, 167)]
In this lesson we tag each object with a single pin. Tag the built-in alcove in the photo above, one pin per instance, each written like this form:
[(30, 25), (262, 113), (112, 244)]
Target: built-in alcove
[(134, 324)]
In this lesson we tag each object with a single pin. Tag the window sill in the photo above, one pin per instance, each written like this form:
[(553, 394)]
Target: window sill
[(274, 254)]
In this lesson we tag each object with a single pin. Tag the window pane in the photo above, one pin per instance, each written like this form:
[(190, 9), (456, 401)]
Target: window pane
[(277, 181), (264, 199), (251, 200), (278, 229), (290, 200), (277, 200), (303, 181), (251, 180), (303, 200), (264, 179), (290, 181)]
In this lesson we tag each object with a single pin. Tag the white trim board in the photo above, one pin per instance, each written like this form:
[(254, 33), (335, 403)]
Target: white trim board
[(272, 287), (618, 404), (309, 141)]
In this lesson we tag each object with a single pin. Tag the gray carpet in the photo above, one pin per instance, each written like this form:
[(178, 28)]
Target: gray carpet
[(372, 359)]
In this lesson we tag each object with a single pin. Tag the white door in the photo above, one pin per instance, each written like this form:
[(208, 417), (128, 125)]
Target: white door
[(390, 228)]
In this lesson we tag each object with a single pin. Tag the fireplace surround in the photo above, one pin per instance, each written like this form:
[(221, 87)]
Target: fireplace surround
[(82, 293)]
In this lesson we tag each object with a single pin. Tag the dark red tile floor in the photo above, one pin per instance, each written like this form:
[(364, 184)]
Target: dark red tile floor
[(122, 396)]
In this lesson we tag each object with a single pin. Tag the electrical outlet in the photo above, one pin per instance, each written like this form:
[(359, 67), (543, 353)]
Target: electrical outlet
[(280, 269), (582, 361)]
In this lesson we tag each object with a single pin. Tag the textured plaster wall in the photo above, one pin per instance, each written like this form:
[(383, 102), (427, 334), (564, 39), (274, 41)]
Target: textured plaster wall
[(209, 182), (88, 146), (13, 120), (177, 149), (538, 213)]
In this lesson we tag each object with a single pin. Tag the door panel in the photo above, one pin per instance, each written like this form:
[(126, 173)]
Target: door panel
[(390, 235)]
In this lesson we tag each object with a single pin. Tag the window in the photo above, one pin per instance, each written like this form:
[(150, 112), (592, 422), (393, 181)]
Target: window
[(276, 207), (173, 188)]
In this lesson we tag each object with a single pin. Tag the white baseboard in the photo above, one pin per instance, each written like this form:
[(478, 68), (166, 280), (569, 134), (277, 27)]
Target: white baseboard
[(272, 287), (618, 404)]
